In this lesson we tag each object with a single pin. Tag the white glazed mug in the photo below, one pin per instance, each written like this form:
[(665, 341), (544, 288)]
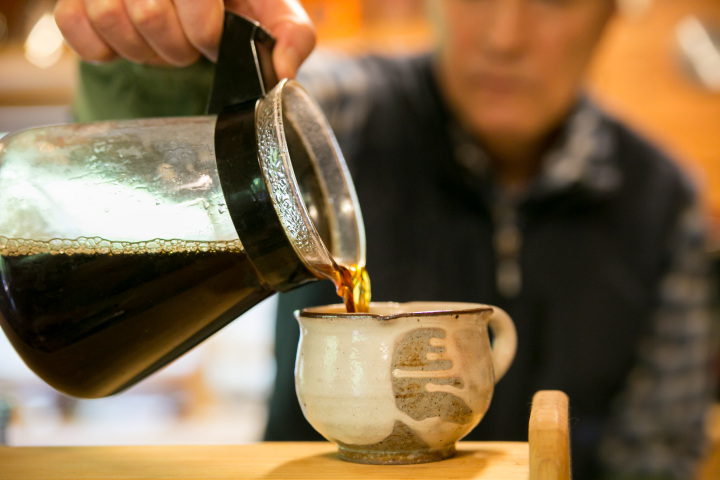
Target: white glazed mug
[(404, 382)]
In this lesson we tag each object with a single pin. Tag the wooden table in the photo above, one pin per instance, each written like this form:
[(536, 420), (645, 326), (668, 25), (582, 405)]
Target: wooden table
[(545, 457), (282, 460)]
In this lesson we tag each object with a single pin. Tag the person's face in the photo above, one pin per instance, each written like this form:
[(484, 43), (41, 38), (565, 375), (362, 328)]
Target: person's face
[(513, 67)]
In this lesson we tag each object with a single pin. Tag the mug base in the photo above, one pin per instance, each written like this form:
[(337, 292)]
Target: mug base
[(374, 457)]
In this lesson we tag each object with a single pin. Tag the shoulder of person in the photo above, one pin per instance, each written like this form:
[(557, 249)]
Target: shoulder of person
[(647, 163), (379, 72)]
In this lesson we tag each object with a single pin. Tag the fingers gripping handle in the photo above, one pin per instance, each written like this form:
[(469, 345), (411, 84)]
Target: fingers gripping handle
[(504, 342)]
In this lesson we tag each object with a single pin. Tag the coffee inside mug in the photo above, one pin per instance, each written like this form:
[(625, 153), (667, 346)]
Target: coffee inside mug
[(388, 310)]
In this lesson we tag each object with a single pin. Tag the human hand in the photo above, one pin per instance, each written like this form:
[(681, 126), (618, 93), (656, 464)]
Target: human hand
[(178, 32)]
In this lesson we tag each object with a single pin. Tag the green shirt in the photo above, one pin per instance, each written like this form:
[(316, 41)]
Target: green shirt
[(121, 90)]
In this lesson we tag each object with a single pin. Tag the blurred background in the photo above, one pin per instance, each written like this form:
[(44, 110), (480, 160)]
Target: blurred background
[(659, 69)]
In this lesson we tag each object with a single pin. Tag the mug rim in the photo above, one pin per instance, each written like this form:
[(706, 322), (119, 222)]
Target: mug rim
[(459, 308)]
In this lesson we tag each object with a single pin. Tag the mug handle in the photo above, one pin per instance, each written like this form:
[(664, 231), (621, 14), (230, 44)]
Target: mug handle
[(504, 342)]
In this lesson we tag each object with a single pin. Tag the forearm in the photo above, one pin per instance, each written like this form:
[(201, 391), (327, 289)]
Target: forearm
[(658, 427)]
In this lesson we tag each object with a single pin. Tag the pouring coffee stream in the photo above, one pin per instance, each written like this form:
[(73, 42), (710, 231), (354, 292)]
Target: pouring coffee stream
[(354, 288), (125, 244)]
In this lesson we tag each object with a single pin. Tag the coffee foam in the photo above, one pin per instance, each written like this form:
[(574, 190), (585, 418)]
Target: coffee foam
[(98, 245)]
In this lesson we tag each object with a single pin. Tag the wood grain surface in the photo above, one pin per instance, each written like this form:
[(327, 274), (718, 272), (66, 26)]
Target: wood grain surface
[(286, 460)]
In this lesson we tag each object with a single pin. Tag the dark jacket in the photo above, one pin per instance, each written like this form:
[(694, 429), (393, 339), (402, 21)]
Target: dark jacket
[(593, 252)]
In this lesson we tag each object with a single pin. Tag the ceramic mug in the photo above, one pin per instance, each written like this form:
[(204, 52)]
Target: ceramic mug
[(404, 382)]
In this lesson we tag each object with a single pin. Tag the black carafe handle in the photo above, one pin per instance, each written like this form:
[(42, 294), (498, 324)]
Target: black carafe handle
[(244, 74), (244, 71)]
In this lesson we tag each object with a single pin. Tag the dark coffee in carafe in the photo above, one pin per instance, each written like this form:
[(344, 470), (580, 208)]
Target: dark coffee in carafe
[(91, 320), (122, 306)]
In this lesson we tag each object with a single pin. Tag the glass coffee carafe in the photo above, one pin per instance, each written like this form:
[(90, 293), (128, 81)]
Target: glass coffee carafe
[(124, 244)]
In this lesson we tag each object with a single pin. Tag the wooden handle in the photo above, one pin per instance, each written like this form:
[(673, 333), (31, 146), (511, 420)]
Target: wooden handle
[(549, 436)]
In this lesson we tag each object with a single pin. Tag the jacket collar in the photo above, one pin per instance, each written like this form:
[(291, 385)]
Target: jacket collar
[(581, 161)]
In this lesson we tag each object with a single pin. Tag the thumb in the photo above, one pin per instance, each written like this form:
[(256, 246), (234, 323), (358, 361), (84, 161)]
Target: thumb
[(288, 22), (294, 43)]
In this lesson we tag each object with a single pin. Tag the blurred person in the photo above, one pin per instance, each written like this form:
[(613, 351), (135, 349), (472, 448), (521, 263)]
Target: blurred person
[(484, 174)]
